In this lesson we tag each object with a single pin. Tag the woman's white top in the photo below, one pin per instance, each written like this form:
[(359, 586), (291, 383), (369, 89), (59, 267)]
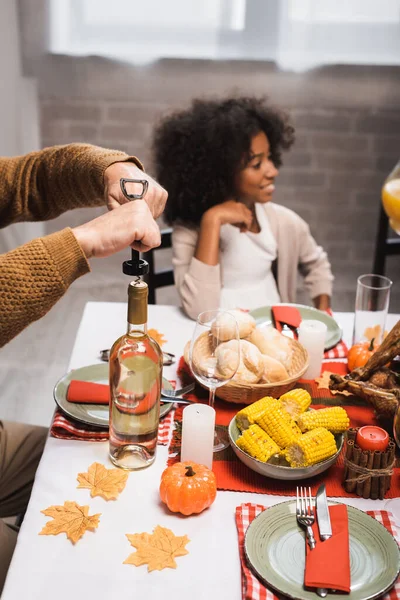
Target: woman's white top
[(256, 285)]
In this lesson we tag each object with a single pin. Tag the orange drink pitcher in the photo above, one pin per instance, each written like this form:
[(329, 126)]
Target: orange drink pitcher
[(391, 198)]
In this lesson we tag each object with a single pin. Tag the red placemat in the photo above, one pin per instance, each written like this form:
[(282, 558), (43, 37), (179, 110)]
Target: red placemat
[(233, 475), (253, 589)]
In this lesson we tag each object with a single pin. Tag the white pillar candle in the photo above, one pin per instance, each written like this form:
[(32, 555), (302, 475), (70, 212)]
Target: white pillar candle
[(198, 424), (312, 336)]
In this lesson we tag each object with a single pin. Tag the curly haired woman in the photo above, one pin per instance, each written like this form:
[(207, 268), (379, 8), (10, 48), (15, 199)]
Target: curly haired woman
[(232, 246)]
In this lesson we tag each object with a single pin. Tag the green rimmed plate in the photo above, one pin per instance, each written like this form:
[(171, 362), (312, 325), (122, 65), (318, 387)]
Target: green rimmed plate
[(275, 549), (263, 316), (92, 414)]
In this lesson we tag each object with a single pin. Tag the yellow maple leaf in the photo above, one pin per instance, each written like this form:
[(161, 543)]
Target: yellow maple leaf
[(158, 550), (107, 483), (373, 333), (323, 383), (157, 336), (71, 519)]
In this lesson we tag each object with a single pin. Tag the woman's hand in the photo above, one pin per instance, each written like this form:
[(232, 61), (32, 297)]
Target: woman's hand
[(230, 212)]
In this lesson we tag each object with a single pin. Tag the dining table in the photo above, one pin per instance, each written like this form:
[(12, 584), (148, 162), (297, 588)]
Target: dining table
[(48, 567)]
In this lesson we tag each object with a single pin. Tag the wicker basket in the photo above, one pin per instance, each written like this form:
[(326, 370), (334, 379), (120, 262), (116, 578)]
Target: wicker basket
[(242, 393)]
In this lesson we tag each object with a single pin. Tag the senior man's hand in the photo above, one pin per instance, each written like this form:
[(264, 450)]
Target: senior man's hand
[(129, 225), (155, 197)]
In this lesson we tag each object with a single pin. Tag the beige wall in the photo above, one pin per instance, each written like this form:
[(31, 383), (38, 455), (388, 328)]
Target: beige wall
[(347, 121)]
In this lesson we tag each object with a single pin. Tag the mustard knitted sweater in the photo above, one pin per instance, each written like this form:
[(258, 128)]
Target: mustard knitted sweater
[(40, 186)]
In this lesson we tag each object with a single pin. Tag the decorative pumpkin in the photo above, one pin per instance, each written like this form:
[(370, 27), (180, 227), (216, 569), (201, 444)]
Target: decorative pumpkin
[(188, 488), (360, 353)]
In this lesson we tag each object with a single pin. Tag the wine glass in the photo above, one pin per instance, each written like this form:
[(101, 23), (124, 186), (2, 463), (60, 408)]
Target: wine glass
[(214, 365)]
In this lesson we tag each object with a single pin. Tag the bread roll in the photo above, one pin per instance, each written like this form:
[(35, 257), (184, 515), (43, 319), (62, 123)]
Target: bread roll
[(222, 327), (272, 343), (251, 365), (273, 370)]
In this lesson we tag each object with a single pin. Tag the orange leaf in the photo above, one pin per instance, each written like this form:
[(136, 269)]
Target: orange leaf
[(71, 519), (107, 483), (323, 383), (158, 550), (373, 333), (157, 336)]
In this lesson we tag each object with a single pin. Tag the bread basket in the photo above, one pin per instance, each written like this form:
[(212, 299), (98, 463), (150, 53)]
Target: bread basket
[(244, 393)]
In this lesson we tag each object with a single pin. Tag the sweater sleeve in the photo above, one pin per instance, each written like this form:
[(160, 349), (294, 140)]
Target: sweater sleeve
[(198, 284), (33, 277), (314, 264), (42, 185)]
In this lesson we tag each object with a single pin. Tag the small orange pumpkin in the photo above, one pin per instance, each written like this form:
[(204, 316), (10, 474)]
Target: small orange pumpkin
[(360, 353), (188, 487)]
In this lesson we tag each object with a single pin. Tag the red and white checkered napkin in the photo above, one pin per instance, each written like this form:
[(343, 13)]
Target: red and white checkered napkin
[(65, 428), (338, 351), (253, 589)]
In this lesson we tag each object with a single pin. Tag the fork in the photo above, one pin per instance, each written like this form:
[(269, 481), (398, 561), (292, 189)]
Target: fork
[(181, 392), (304, 513)]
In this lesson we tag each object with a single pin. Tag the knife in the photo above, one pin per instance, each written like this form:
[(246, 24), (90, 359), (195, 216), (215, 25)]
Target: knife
[(324, 521), (324, 524)]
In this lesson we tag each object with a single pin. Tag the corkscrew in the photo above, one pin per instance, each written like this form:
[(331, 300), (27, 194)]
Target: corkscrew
[(136, 266)]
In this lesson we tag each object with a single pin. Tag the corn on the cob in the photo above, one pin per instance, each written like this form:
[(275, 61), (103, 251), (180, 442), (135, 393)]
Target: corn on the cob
[(334, 418), (279, 425), (248, 415), (296, 402), (256, 442), (310, 448)]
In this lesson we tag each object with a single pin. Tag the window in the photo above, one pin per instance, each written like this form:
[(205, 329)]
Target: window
[(297, 34)]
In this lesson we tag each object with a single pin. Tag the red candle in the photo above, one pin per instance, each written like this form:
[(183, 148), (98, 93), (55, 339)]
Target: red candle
[(372, 438)]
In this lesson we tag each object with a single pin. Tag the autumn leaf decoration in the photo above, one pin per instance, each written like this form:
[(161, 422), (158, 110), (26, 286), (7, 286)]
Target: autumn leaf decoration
[(157, 336), (107, 483), (71, 519), (323, 383), (158, 550)]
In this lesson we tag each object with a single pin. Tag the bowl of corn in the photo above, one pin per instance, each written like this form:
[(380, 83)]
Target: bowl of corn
[(285, 439)]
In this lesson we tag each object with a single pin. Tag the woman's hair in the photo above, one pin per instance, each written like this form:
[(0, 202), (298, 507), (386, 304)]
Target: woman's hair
[(197, 152)]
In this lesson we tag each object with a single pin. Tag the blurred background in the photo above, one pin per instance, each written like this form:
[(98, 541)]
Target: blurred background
[(104, 73)]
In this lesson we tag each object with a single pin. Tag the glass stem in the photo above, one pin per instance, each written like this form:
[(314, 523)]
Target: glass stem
[(211, 397)]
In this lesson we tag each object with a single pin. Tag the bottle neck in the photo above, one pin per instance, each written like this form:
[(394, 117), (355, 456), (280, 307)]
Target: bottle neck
[(137, 329), (137, 308)]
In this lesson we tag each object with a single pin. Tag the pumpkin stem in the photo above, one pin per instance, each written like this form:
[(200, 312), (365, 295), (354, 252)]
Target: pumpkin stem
[(371, 346), (189, 471)]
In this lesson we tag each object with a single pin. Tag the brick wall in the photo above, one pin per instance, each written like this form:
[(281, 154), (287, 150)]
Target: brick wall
[(347, 121)]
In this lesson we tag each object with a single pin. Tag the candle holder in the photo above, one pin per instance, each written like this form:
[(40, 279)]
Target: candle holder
[(367, 473)]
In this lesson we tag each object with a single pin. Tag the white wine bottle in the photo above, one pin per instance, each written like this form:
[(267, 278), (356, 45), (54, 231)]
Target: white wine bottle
[(135, 387)]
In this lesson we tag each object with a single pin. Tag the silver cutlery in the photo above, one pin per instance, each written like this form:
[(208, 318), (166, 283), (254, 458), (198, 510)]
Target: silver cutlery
[(287, 331), (168, 358), (304, 513), (324, 523), (181, 392), (176, 401)]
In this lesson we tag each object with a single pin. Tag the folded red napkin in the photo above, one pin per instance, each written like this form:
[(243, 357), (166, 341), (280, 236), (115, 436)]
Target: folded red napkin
[(328, 564), (252, 588), (87, 392), (286, 314)]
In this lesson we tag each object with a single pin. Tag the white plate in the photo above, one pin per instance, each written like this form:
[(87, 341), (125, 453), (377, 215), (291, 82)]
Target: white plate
[(92, 414)]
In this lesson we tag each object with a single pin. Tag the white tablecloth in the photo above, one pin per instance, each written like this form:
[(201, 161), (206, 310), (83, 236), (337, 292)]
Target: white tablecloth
[(48, 567)]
